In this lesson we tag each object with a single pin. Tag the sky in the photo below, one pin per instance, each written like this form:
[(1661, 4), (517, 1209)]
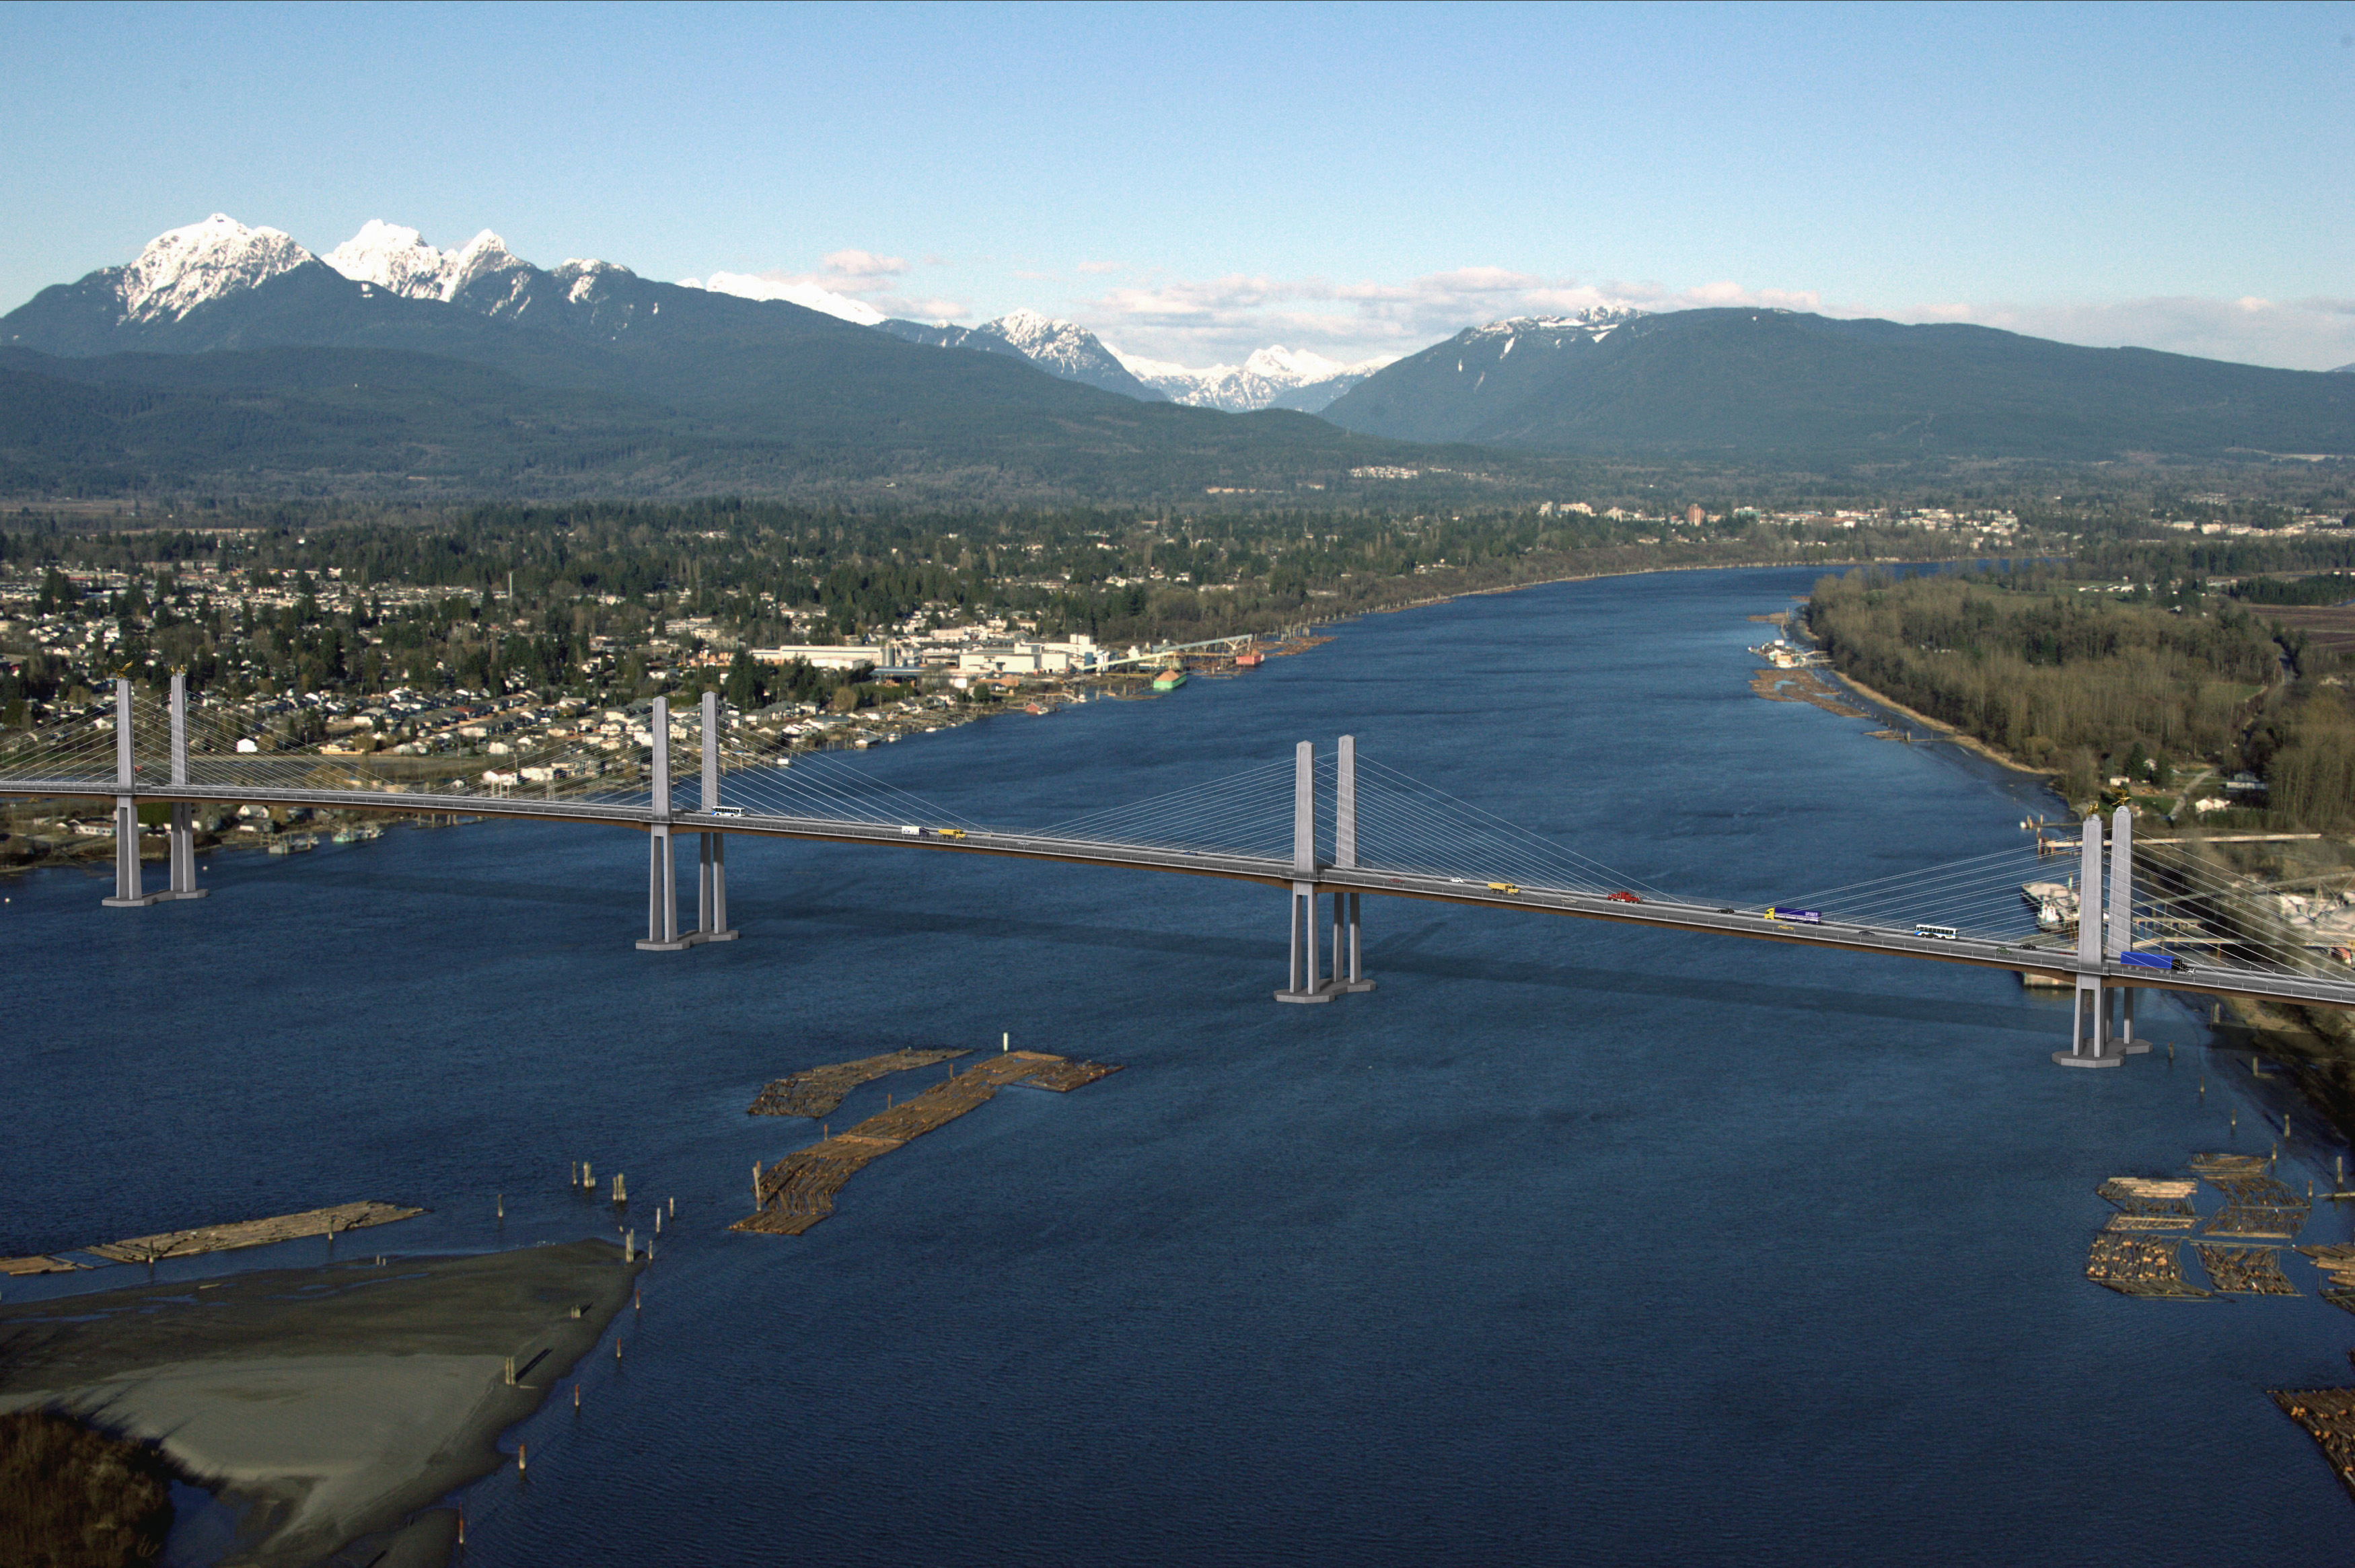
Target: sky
[(1195, 182)]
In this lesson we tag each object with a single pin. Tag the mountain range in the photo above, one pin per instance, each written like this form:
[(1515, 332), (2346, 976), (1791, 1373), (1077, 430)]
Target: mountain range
[(451, 368), (1784, 388), (223, 351)]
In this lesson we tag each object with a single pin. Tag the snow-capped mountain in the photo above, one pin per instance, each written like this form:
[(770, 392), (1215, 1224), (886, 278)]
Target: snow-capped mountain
[(399, 260), (1593, 325), (1063, 349), (1273, 377), (809, 296), (184, 268)]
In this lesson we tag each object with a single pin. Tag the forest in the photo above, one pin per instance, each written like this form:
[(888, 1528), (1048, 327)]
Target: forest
[(2095, 680)]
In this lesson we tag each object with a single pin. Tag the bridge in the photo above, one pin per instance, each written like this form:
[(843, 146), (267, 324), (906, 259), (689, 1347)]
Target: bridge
[(1322, 827)]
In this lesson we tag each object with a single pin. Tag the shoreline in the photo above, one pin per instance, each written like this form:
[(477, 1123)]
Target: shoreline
[(1944, 731), (330, 1404)]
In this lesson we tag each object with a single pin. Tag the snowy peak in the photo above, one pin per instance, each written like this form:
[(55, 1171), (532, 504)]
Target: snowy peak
[(1065, 348), (1595, 324), (1060, 348), (188, 267), (399, 259), (1270, 377)]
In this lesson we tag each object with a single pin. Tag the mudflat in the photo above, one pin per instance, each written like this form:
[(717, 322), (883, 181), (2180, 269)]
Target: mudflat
[(326, 1402)]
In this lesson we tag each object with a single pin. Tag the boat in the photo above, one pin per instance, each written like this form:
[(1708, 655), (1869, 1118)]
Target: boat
[(1169, 680), (1251, 661)]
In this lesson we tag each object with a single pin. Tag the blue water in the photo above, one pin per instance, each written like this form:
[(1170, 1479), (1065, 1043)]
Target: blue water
[(1570, 1242)]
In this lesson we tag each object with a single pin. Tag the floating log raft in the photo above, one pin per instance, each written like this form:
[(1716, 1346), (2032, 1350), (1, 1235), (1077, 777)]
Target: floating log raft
[(2148, 1206), (2132, 1265), (2228, 1164), (253, 1233), (36, 1263), (2337, 1261), (2328, 1416), (798, 1190), (2245, 1270), (819, 1090), (2257, 1205), (1062, 1075)]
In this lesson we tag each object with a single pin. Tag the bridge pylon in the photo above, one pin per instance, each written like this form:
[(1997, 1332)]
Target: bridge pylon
[(130, 889), (2089, 1033), (2117, 931), (1302, 982), (663, 934)]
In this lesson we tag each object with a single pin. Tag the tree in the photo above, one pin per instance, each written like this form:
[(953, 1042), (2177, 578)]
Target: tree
[(743, 687)]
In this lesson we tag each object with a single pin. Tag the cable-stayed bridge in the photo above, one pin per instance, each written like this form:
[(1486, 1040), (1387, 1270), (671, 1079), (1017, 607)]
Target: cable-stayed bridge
[(1321, 825)]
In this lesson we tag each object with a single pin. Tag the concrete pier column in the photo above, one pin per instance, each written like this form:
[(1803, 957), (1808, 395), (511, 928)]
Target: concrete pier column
[(184, 826), (1345, 858), (1358, 981), (2118, 936), (1301, 986), (711, 865), (2088, 1024), (662, 879), (717, 930), (128, 892)]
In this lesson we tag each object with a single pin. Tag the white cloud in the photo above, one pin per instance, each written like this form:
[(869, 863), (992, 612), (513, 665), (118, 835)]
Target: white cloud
[(1226, 318), (1219, 320), (795, 290), (857, 285), (2294, 335)]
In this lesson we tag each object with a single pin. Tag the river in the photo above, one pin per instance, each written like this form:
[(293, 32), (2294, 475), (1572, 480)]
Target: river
[(1570, 1243)]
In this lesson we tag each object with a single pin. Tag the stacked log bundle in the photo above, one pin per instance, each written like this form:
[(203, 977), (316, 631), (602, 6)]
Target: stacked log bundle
[(2136, 1266), (2144, 1204)]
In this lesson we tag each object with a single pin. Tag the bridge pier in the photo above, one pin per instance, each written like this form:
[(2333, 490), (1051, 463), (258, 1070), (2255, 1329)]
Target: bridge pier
[(2117, 934), (663, 934), (1302, 982), (1345, 858), (2089, 1044), (711, 867), (130, 880)]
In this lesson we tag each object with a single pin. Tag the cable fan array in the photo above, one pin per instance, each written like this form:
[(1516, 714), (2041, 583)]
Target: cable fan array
[(2184, 902)]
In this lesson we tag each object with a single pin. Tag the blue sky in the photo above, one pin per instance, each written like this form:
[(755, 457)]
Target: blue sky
[(1194, 182)]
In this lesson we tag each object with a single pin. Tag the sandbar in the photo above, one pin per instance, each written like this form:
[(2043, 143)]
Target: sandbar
[(326, 1404)]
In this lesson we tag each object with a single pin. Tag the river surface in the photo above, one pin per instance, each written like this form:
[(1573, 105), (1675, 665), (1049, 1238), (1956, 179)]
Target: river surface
[(1569, 1243)]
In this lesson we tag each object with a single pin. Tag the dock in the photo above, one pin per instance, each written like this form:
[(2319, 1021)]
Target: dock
[(817, 1090), (798, 1190), (228, 1238)]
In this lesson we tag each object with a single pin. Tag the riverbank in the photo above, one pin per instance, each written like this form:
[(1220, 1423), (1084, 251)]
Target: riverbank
[(325, 1404)]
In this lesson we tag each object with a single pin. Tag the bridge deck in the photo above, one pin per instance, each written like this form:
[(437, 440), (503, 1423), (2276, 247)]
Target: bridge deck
[(2213, 980)]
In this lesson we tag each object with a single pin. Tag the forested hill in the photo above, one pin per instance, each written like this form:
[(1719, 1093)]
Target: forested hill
[(2168, 686), (1779, 386), (308, 421)]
